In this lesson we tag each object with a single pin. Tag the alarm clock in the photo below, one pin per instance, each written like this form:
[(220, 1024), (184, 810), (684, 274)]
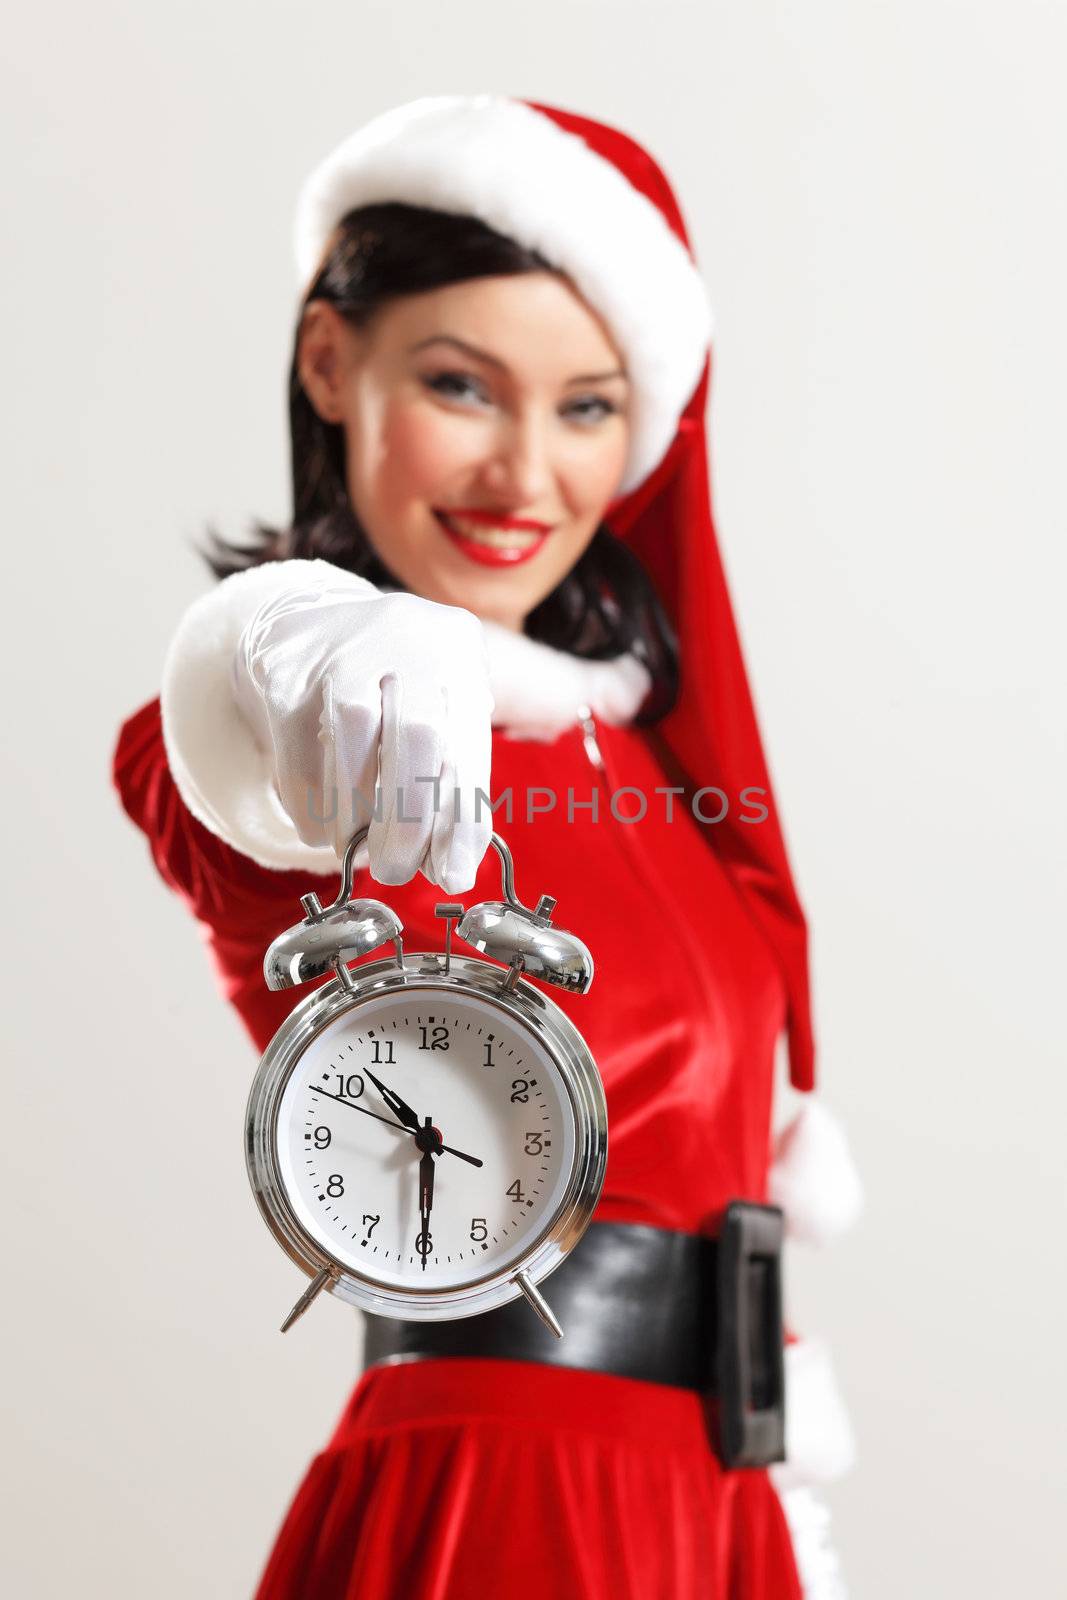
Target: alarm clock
[(426, 1134)]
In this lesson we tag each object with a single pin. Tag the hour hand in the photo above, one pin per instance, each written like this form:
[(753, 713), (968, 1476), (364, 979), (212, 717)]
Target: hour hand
[(395, 1104)]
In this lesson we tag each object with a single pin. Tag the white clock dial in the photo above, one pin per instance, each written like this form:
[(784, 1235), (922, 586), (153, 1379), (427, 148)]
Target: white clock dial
[(495, 1124)]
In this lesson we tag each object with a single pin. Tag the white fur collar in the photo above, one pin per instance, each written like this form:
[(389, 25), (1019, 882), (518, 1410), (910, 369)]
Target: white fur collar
[(538, 692)]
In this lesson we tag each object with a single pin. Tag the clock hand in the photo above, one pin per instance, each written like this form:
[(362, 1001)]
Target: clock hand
[(395, 1104), (410, 1118), (426, 1166), (389, 1123), (463, 1156), (426, 1183), (429, 1142)]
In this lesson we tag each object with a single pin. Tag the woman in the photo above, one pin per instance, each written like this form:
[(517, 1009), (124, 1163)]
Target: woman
[(502, 574)]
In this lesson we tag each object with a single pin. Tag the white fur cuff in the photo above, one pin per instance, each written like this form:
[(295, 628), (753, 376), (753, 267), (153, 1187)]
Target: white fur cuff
[(222, 774)]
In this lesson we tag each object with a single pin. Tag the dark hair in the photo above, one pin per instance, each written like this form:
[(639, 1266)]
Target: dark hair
[(604, 607)]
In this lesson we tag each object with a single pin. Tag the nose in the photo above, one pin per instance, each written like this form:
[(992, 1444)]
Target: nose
[(519, 467)]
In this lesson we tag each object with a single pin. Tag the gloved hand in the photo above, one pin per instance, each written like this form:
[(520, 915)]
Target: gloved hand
[(353, 689)]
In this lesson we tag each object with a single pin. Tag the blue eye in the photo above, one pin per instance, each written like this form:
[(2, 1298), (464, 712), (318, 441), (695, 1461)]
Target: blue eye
[(456, 386)]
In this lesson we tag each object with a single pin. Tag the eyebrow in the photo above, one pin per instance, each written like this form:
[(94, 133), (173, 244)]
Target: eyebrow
[(495, 361)]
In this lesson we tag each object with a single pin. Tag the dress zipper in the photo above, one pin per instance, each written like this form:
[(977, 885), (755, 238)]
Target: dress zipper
[(589, 739), (647, 870)]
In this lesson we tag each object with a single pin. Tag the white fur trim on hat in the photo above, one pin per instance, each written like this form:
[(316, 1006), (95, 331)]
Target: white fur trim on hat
[(226, 778), (813, 1176), (515, 169)]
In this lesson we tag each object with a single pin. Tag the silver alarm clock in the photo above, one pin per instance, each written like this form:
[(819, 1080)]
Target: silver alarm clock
[(426, 1135)]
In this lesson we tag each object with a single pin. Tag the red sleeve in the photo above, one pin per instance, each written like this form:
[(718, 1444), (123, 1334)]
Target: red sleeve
[(240, 905)]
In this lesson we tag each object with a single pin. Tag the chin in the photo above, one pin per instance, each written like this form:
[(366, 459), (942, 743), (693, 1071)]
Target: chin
[(505, 617), (496, 598)]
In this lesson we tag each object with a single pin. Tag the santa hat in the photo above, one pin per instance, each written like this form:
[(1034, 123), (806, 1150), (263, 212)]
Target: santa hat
[(524, 172), (596, 206)]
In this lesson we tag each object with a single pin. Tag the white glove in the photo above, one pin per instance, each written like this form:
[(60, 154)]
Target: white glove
[(352, 691)]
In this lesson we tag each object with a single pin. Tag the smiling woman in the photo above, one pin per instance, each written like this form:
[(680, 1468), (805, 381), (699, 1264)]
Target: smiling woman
[(446, 380), (497, 408), (471, 436)]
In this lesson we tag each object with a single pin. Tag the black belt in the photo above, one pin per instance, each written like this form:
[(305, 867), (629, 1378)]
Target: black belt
[(648, 1303)]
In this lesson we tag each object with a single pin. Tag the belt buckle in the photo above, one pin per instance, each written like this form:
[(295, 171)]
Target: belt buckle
[(750, 1346)]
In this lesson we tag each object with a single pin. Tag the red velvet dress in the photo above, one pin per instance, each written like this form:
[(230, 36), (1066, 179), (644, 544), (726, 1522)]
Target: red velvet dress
[(447, 1479)]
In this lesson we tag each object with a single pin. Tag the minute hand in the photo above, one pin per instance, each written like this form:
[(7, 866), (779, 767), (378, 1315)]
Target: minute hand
[(451, 1150), (395, 1104)]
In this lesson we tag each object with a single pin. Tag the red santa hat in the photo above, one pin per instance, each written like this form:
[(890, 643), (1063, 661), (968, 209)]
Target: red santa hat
[(597, 206), (526, 173)]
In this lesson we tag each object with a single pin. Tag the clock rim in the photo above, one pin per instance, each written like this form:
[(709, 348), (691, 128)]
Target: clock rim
[(523, 1004)]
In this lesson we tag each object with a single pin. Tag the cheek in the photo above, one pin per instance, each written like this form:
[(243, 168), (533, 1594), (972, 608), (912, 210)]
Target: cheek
[(422, 450), (592, 473)]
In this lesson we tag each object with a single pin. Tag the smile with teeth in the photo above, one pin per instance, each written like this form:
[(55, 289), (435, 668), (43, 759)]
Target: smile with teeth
[(493, 538)]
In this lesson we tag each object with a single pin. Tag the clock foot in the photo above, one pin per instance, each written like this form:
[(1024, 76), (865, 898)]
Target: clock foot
[(537, 1300), (314, 1288)]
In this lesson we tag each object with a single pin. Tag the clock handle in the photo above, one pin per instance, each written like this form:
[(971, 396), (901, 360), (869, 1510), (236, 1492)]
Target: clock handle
[(543, 910), (545, 905), (344, 894)]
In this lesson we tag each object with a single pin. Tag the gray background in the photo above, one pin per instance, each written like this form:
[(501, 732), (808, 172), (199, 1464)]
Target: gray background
[(876, 195)]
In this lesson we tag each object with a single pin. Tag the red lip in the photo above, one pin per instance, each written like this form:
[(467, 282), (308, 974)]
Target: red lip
[(486, 555), (494, 519)]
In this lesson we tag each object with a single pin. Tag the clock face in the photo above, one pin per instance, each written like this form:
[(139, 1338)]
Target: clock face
[(426, 1139)]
